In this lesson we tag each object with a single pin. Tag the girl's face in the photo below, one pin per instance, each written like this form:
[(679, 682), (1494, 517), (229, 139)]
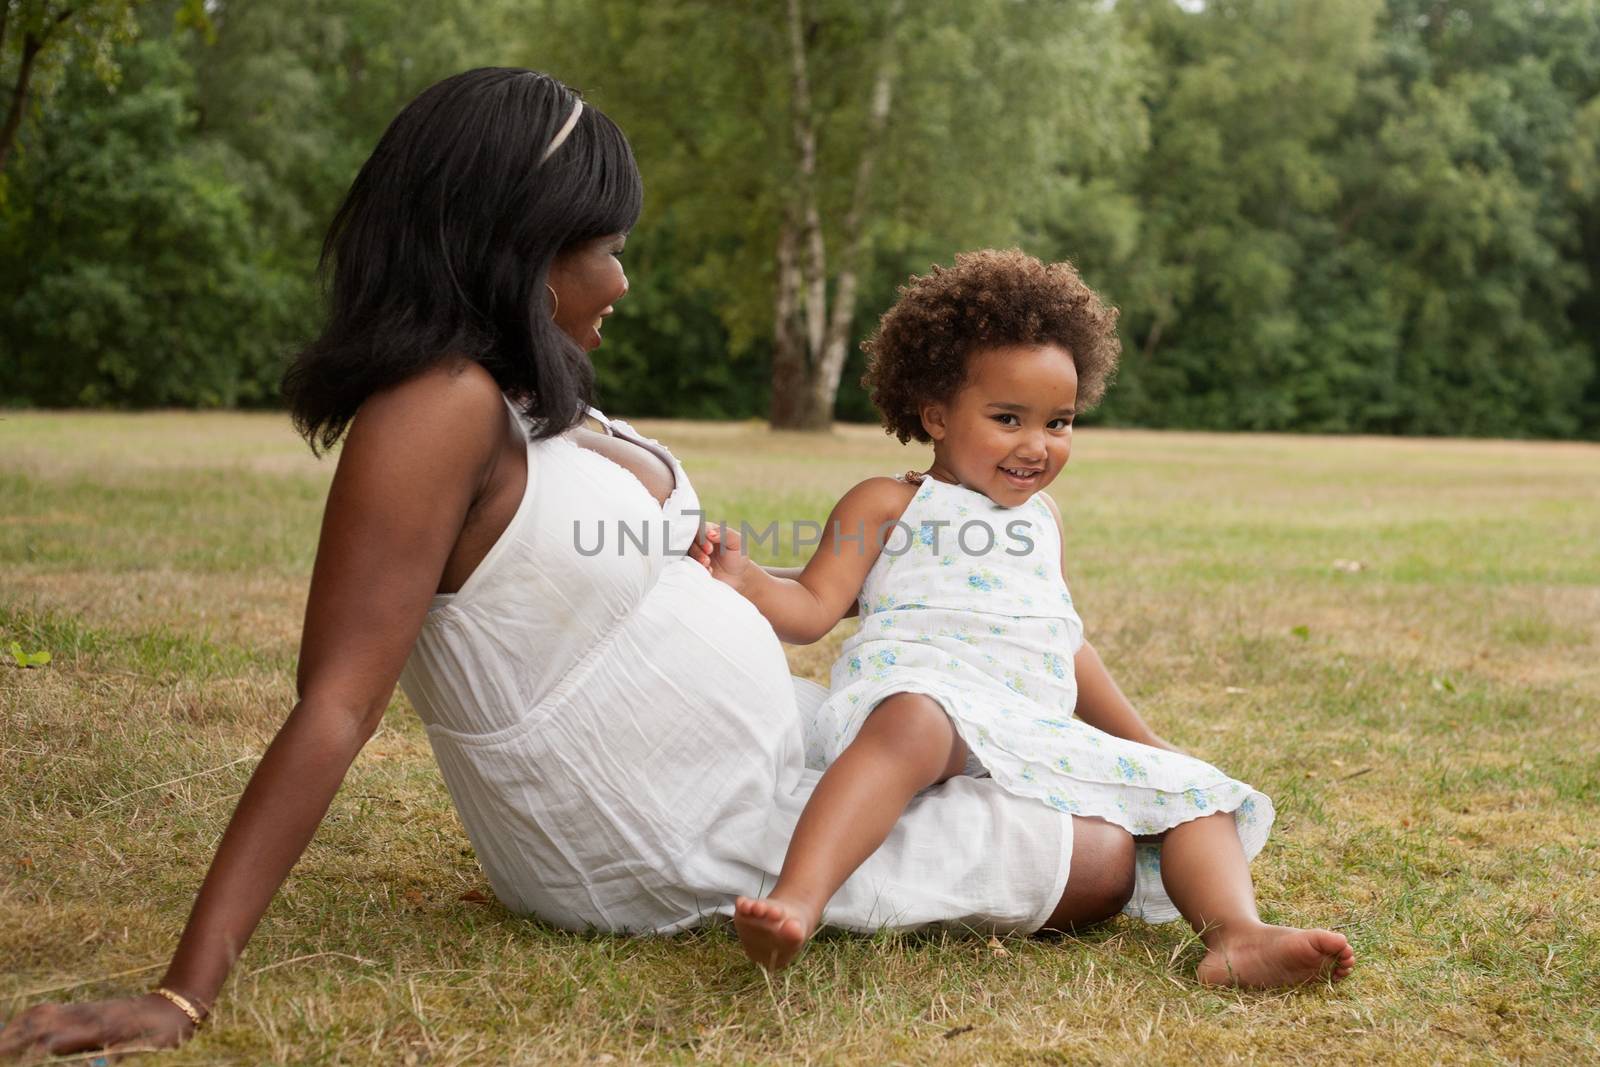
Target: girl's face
[(587, 279), (1007, 432)]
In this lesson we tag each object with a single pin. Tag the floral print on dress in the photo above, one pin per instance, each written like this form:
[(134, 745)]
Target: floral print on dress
[(985, 581), (1056, 665)]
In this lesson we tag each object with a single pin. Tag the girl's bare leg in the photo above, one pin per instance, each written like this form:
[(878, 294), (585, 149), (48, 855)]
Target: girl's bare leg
[(906, 745), (1207, 876)]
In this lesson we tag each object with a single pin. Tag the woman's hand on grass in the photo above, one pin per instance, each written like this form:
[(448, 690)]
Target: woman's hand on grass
[(126, 1024)]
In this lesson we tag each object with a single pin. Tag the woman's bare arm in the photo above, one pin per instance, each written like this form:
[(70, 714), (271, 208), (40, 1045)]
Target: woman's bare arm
[(415, 460)]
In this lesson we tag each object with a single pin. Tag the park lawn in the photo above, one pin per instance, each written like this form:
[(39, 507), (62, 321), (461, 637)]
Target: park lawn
[(1399, 640)]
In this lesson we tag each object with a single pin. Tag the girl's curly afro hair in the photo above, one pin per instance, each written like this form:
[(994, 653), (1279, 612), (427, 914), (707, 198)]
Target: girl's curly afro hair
[(990, 299)]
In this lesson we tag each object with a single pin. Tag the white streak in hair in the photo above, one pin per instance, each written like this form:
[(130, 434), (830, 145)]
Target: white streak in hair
[(565, 131)]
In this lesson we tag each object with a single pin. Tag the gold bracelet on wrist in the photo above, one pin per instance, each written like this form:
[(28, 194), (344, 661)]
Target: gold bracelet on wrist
[(182, 1003)]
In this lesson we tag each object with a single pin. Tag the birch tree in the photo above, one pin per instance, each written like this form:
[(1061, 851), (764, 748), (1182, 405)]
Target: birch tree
[(807, 147), (809, 332)]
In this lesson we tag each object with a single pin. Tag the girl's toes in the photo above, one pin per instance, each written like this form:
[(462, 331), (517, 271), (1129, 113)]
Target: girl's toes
[(1332, 945), (758, 910)]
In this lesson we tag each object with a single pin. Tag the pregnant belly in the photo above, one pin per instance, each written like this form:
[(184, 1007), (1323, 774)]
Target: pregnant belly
[(699, 633), (690, 710), (607, 804), (716, 652)]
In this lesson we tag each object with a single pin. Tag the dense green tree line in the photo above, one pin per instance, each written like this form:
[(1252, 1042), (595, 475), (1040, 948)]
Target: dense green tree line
[(1331, 215)]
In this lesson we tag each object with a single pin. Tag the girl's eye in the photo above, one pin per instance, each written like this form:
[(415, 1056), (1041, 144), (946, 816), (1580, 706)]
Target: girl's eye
[(1001, 419), (1061, 424)]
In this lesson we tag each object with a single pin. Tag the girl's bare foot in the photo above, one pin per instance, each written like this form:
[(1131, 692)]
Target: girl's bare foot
[(772, 930), (1265, 957)]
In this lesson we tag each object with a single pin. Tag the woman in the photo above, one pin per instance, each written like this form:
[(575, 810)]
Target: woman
[(618, 730)]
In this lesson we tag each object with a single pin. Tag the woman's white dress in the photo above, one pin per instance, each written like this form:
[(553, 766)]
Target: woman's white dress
[(620, 736), (966, 604)]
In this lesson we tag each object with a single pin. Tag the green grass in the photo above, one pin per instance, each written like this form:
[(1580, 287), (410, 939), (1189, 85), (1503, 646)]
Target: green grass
[(1398, 640)]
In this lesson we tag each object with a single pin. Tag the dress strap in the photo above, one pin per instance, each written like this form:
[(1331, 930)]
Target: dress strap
[(518, 420), (649, 444), (594, 413)]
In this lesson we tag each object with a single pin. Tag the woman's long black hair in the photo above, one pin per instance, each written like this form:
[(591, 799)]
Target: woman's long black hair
[(443, 244)]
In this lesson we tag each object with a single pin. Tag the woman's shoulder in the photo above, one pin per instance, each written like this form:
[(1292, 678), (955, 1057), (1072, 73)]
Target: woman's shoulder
[(453, 410), (456, 381), (453, 395)]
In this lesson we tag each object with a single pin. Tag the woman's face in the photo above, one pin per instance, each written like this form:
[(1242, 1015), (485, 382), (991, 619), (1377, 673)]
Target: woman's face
[(587, 279)]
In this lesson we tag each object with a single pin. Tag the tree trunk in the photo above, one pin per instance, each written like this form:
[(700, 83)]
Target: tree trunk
[(805, 143), (806, 369), (19, 98), (790, 372), (1152, 338), (835, 347)]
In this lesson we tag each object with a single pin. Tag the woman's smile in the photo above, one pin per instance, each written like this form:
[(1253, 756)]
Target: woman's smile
[(587, 280)]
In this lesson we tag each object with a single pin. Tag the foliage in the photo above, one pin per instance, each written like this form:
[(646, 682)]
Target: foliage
[(163, 234), (1348, 216), (39, 39), (1361, 218), (705, 90), (139, 276), (25, 660)]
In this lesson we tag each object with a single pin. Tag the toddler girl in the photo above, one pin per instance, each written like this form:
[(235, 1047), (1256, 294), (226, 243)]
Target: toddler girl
[(970, 657)]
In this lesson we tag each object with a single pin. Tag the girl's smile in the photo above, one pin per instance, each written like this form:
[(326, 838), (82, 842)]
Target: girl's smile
[(1007, 432)]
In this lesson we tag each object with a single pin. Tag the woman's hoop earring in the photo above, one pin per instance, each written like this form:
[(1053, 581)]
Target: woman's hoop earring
[(555, 301)]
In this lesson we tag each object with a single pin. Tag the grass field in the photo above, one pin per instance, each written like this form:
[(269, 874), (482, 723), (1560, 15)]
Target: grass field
[(1398, 640)]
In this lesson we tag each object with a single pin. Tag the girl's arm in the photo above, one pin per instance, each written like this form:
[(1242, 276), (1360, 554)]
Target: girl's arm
[(1101, 703), (805, 607), (411, 467), (794, 572)]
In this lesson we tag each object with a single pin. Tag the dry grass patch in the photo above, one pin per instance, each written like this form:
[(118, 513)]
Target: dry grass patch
[(1428, 723), (259, 611)]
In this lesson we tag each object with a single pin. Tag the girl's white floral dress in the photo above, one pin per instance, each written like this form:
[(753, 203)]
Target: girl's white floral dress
[(966, 604)]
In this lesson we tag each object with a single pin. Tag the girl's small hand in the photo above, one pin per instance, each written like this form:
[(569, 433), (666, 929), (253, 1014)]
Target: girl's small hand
[(700, 551), (720, 550)]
